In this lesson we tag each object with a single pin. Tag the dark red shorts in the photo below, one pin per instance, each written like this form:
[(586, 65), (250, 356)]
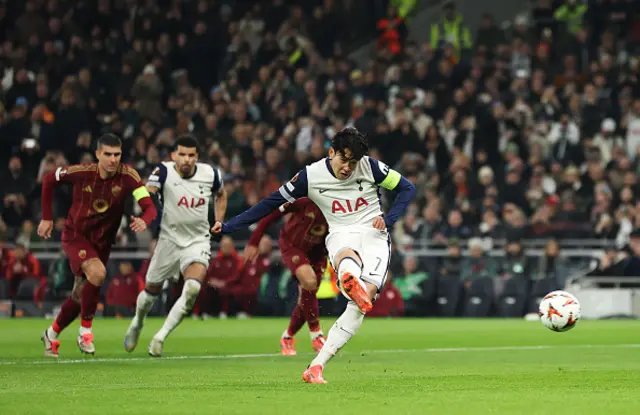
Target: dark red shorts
[(293, 258), (80, 250)]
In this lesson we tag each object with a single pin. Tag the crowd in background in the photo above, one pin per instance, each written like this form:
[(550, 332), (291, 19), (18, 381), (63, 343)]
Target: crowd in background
[(529, 131)]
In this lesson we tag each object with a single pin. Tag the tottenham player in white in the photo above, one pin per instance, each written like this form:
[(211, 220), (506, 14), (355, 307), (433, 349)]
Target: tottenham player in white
[(186, 188), (345, 186)]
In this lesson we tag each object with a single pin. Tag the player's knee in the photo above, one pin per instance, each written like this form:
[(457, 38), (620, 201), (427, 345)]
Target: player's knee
[(347, 253), (307, 278), (154, 289), (96, 272), (190, 291)]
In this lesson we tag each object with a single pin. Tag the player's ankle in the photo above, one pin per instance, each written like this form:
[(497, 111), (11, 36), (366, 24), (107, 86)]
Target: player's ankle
[(52, 334), (83, 329), (287, 334), (315, 334)]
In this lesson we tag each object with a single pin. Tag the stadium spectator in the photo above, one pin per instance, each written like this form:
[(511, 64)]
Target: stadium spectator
[(23, 266), (389, 302), (409, 285), (478, 264), (225, 268), (451, 31), (244, 290), (122, 292)]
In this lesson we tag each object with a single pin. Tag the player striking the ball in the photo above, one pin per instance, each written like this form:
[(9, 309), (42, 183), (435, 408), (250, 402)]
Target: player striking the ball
[(184, 244), (345, 186), (303, 252), (99, 194)]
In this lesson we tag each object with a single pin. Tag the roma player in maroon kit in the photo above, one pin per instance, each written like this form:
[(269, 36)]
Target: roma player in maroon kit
[(303, 252), (99, 193)]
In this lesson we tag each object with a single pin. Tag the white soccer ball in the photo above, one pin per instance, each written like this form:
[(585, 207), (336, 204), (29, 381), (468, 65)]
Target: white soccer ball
[(559, 311)]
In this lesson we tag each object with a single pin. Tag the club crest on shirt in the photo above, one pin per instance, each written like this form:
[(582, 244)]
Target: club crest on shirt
[(100, 205), (115, 190), (295, 259), (82, 254)]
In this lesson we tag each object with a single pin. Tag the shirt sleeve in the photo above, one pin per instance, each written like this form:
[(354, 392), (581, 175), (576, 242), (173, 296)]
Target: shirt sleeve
[(384, 176), (289, 192), (296, 187), (158, 176), (218, 182), (392, 180)]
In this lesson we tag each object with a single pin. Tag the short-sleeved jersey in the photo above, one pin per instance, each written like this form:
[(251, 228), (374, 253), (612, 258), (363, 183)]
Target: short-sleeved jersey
[(97, 204), (185, 202), (351, 202)]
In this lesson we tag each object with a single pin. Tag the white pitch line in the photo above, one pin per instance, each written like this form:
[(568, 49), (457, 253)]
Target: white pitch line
[(271, 355)]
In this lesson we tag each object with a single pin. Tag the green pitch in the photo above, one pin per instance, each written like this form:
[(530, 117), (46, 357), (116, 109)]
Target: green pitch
[(391, 367)]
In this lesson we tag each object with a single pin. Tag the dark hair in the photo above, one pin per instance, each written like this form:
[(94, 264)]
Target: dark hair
[(187, 141), (109, 140), (352, 139)]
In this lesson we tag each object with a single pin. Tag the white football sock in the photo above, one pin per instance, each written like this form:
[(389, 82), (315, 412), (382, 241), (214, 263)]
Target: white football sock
[(143, 306), (315, 334), (180, 309), (349, 265), (342, 330), (84, 330), (51, 333)]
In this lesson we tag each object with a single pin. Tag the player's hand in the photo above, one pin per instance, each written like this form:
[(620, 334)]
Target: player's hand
[(217, 227), (250, 253), (379, 224), (137, 224), (45, 228)]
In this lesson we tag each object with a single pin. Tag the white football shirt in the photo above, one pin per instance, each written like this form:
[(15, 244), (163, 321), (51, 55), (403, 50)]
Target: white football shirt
[(186, 202)]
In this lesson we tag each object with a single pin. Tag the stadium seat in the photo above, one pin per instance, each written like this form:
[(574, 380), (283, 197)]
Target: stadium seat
[(478, 298), (539, 290), (448, 293), (26, 289), (513, 301), (4, 289)]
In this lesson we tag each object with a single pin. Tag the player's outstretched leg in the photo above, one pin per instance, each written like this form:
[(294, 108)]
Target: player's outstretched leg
[(311, 310), (193, 276), (96, 274), (69, 311), (144, 303), (346, 326)]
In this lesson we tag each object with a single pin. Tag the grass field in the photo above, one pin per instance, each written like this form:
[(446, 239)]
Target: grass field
[(390, 367)]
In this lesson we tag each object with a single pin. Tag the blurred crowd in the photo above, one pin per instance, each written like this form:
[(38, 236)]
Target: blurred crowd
[(530, 129)]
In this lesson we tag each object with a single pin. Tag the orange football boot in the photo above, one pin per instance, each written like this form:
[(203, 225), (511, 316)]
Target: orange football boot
[(313, 374), (318, 342), (50, 346), (287, 346), (355, 291)]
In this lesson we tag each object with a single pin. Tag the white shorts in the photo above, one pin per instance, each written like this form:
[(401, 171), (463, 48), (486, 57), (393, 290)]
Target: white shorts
[(373, 246), (169, 260)]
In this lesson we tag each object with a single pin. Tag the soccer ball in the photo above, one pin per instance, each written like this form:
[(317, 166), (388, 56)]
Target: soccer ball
[(559, 311)]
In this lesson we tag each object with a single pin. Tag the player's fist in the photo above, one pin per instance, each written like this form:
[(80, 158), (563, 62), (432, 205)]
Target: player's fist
[(250, 253), (217, 227), (379, 224), (44, 229), (137, 224)]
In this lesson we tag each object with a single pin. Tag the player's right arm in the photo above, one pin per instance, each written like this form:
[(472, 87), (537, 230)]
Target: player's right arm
[(67, 174), (251, 251), (154, 184), (289, 192)]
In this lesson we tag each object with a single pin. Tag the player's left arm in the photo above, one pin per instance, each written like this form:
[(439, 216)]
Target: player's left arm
[(220, 203), (392, 180), (142, 196)]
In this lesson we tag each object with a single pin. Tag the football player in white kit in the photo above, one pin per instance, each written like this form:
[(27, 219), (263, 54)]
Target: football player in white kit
[(184, 246), (345, 186)]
